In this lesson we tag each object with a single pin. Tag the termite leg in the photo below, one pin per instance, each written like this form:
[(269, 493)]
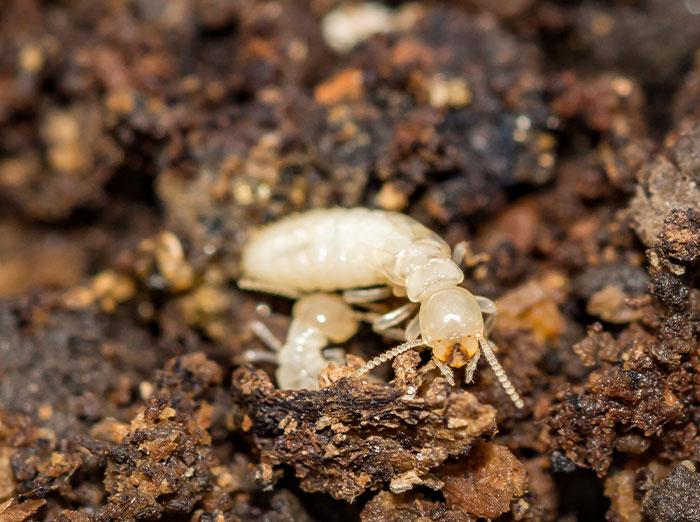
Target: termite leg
[(366, 295), (334, 354), (446, 371), (265, 335), (398, 334), (488, 307), (259, 356), (267, 288), (413, 328), (393, 317), (489, 324), (384, 324), (459, 252), (463, 256)]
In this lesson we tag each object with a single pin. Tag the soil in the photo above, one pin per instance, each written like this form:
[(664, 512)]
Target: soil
[(143, 141)]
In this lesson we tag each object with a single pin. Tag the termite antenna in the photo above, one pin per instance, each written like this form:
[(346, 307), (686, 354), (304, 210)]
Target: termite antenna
[(263, 333), (500, 372), (388, 355)]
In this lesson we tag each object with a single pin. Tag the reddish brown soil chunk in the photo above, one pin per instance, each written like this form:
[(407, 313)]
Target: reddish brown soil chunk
[(12, 511), (163, 463), (670, 182), (680, 237), (642, 397), (486, 482), (620, 488), (387, 507), (634, 393), (33, 462)]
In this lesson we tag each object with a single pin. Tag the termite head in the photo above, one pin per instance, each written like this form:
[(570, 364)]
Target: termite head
[(328, 313), (451, 324)]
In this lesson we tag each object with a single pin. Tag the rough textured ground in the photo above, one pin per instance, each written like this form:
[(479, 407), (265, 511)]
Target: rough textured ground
[(142, 141)]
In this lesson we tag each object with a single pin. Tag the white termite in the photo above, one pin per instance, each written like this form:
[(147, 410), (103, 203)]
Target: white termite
[(317, 320), (371, 255)]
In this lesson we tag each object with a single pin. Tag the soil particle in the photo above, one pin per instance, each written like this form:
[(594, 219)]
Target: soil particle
[(680, 236), (670, 182), (633, 394), (669, 289), (49, 361), (387, 507), (625, 36), (162, 465), (620, 488), (486, 482), (13, 511), (675, 498)]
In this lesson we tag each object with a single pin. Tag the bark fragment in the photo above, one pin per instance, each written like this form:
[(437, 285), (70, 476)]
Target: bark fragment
[(352, 435)]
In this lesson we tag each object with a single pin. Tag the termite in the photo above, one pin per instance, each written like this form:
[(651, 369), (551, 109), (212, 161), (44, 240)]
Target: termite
[(317, 320), (371, 255)]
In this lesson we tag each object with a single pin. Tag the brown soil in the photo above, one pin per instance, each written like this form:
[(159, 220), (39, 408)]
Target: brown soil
[(141, 141)]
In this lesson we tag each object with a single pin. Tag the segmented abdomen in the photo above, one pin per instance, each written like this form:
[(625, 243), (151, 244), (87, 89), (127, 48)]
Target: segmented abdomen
[(327, 249)]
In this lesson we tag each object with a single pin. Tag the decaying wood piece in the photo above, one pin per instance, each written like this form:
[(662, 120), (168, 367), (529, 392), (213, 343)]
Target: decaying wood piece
[(351, 435)]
